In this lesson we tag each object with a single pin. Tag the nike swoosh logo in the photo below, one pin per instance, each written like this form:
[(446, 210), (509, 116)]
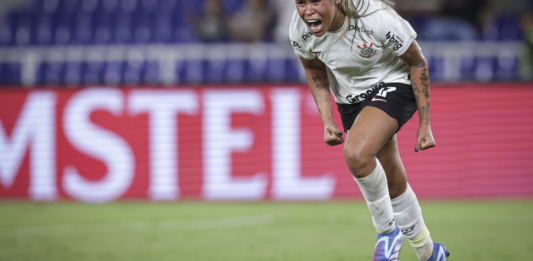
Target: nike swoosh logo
[(376, 99)]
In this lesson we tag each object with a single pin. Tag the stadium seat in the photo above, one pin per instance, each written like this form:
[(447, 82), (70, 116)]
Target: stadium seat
[(43, 6), (89, 6), (73, 73), (256, 70), (6, 35), (276, 70), (7, 29), (110, 6), (23, 29), (194, 71), (52, 73), (70, 6), (113, 73), (143, 28), (151, 75), (83, 33), (184, 34), (168, 6), (468, 68), (235, 72), (133, 72), (10, 73), (149, 6), (44, 29), (93, 73), (63, 30), (123, 28), (216, 69), (102, 30), (292, 73), (163, 28)]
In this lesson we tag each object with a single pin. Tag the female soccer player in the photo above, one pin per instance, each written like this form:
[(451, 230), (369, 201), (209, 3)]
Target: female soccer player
[(364, 53)]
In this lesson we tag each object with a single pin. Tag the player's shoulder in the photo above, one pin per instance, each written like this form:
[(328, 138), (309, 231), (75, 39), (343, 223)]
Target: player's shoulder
[(297, 25), (299, 32)]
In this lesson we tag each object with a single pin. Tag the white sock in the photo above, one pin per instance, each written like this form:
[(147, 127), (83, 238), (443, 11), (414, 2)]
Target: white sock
[(376, 192), (408, 215)]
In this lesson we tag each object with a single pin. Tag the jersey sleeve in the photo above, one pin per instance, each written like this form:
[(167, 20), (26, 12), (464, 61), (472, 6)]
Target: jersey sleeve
[(296, 39), (395, 33)]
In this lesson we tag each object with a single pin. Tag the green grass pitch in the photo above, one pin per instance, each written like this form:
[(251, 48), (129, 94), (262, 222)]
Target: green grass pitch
[(251, 231)]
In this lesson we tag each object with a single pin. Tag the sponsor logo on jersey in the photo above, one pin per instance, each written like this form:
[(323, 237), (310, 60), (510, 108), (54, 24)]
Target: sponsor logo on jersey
[(395, 40), (367, 51), (306, 36), (361, 29), (355, 99), (295, 44)]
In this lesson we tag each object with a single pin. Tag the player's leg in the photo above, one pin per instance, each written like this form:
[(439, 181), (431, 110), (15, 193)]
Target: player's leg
[(389, 157), (407, 211), (369, 133)]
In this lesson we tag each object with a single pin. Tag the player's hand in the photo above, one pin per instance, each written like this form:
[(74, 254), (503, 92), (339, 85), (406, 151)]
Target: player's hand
[(425, 138), (332, 135)]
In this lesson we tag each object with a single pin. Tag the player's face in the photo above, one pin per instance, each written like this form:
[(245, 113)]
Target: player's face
[(317, 14)]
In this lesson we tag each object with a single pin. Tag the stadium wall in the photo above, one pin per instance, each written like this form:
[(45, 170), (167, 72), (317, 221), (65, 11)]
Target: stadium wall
[(246, 143)]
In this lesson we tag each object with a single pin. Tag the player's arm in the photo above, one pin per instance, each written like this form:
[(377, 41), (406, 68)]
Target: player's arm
[(317, 78), (414, 58)]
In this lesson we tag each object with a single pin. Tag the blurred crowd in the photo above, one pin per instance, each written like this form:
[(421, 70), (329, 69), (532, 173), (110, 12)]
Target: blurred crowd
[(166, 22), (434, 20), (38, 22)]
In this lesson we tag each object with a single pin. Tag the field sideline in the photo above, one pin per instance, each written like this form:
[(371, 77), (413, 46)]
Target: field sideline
[(251, 231)]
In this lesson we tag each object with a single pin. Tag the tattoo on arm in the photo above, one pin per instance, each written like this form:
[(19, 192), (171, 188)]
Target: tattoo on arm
[(423, 113), (416, 90), (324, 98), (425, 81), (320, 78), (414, 58), (323, 86), (420, 63)]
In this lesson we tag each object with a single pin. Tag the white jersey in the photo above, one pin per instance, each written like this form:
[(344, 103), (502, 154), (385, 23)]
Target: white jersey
[(357, 64)]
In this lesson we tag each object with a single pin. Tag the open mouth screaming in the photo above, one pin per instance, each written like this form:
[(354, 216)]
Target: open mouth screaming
[(314, 25)]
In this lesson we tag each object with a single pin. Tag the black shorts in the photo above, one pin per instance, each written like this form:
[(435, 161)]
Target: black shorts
[(395, 99)]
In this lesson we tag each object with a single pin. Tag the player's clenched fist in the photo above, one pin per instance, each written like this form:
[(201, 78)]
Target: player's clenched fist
[(332, 135), (425, 138)]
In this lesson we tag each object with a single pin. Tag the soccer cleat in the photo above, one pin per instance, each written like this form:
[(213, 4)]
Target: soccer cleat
[(440, 253), (388, 246)]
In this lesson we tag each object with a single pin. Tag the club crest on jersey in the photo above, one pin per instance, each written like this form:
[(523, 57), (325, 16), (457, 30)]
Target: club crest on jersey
[(367, 51)]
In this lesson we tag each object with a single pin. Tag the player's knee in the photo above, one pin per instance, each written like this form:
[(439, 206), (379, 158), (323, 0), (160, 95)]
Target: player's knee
[(358, 161)]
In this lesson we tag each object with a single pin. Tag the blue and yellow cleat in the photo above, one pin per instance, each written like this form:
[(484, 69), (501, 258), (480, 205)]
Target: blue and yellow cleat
[(440, 253), (388, 246)]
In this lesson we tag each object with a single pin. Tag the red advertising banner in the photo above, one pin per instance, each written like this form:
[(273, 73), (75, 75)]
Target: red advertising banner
[(246, 143)]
